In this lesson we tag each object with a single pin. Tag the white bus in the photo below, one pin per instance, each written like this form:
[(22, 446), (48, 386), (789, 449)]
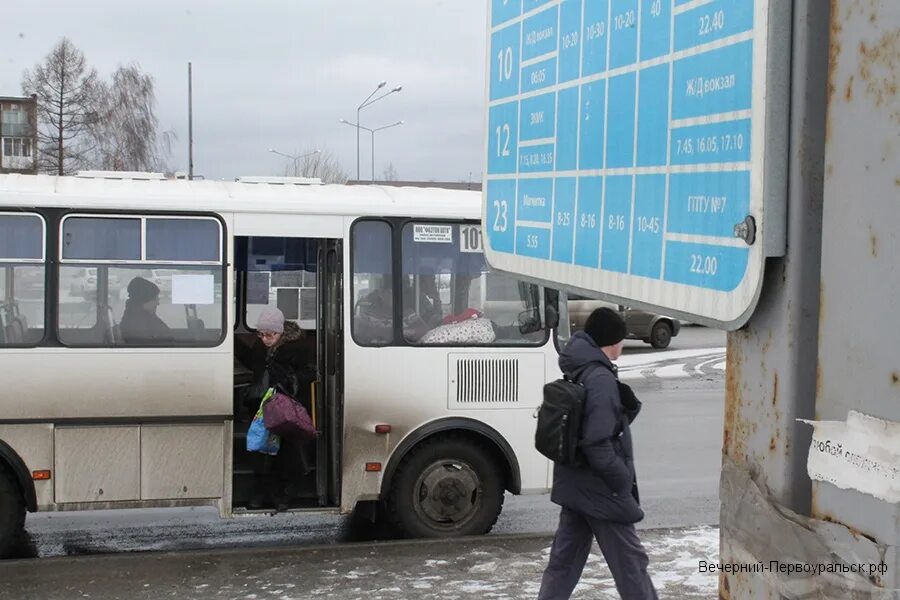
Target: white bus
[(428, 414)]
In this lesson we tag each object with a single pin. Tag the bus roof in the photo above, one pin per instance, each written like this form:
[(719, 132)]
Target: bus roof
[(46, 191)]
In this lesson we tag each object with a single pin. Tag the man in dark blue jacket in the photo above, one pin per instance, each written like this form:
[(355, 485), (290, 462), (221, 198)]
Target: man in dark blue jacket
[(599, 500)]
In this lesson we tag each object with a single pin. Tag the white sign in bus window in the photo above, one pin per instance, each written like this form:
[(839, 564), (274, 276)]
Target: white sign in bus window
[(633, 148), (193, 289), (433, 234)]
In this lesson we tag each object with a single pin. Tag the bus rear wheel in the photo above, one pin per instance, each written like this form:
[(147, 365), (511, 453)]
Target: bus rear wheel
[(447, 487), (12, 512)]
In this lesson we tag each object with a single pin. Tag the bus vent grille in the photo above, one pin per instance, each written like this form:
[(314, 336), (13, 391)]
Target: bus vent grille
[(487, 381)]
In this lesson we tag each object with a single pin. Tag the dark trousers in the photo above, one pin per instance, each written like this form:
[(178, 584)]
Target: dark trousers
[(285, 470), (621, 548)]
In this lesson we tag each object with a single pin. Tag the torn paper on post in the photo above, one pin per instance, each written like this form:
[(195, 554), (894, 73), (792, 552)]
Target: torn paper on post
[(862, 453)]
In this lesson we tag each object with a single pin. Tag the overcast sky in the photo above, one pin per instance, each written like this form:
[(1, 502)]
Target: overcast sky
[(282, 73)]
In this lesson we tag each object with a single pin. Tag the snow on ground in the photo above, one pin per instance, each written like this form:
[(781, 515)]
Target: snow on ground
[(674, 364), (506, 573), (485, 568), (636, 361)]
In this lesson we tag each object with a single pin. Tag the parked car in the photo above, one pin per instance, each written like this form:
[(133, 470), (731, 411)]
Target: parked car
[(651, 328)]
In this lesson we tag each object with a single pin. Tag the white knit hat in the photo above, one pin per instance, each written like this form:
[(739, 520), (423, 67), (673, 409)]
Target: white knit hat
[(271, 319)]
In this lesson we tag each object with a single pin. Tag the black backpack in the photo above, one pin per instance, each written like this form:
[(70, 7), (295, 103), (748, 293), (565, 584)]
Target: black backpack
[(559, 420)]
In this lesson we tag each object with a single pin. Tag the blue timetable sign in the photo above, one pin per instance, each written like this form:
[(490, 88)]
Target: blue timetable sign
[(627, 143)]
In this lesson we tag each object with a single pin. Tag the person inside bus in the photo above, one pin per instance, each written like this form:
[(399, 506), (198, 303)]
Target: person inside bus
[(423, 313), (431, 307), (278, 359), (140, 324), (374, 315), (375, 311)]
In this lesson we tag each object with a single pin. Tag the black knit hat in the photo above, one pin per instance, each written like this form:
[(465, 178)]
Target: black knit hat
[(605, 327), (140, 290)]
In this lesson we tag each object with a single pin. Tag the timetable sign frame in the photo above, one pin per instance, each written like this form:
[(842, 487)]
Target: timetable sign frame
[(636, 150)]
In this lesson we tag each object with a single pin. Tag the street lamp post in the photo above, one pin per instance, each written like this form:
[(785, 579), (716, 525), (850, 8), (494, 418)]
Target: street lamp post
[(367, 102), (294, 158), (372, 131)]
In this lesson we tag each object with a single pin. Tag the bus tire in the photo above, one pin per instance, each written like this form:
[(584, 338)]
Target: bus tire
[(449, 486), (12, 512)]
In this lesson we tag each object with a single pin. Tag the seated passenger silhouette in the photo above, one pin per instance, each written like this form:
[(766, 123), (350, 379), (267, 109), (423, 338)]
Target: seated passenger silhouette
[(140, 324)]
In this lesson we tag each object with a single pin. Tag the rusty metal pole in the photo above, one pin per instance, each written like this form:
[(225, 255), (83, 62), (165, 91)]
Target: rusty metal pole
[(771, 373), (859, 346), (822, 344)]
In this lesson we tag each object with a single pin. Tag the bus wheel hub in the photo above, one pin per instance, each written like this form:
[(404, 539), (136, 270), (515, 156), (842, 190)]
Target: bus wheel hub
[(448, 492)]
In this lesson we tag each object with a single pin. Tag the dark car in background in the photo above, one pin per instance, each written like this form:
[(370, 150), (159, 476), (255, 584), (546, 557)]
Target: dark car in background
[(651, 328)]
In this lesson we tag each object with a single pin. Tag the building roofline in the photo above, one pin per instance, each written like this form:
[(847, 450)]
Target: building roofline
[(17, 98)]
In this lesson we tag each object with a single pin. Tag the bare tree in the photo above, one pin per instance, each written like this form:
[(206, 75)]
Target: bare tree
[(66, 92), (125, 132), (389, 173), (322, 164)]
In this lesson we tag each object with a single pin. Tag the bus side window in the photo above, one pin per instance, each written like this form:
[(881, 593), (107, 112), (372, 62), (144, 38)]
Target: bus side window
[(373, 302), (22, 274), (141, 281)]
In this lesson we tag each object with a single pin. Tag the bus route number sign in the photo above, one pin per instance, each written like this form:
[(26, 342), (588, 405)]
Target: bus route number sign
[(470, 239)]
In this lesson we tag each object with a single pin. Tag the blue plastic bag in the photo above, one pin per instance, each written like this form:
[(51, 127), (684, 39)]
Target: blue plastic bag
[(260, 439)]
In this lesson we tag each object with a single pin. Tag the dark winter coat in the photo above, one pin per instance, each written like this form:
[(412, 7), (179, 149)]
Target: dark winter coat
[(606, 488), (284, 366), (140, 326)]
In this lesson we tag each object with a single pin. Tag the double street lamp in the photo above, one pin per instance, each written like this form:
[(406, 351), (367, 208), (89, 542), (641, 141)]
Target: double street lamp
[(368, 102), (296, 159), (372, 131)]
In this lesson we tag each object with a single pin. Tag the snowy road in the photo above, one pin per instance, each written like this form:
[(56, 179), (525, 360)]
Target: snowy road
[(701, 363), (507, 567)]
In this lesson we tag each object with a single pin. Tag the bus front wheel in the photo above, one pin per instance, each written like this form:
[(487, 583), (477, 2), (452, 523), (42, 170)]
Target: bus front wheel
[(12, 512), (447, 487)]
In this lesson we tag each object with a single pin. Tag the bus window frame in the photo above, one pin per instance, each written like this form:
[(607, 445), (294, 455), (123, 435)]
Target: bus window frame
[(43, 262), (352, 283), (222, 263)]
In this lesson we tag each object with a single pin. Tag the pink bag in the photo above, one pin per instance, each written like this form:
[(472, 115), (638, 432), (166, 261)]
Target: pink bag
[(286, 417)]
